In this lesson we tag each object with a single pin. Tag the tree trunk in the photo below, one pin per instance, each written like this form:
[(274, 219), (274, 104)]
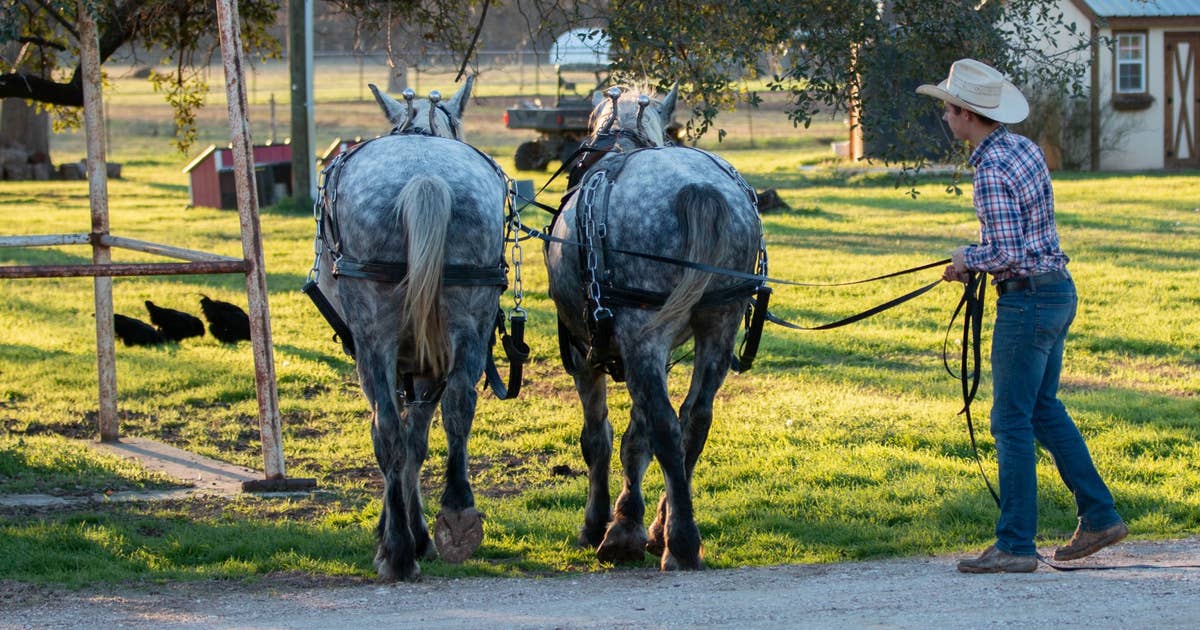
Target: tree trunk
[(398, 78), (22, 124)]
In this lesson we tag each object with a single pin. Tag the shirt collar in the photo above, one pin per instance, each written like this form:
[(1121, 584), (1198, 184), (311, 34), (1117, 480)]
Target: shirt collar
[(996, 137)]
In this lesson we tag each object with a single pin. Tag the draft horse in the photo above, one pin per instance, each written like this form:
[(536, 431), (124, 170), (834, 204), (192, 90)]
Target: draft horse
[(412, 228), (622, 312)]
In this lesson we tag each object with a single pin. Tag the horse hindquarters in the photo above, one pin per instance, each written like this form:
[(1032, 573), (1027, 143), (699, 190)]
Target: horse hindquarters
[(387, 320)]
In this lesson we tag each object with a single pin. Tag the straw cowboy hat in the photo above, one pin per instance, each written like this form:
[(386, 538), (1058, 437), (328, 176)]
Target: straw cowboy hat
[(980, 88)]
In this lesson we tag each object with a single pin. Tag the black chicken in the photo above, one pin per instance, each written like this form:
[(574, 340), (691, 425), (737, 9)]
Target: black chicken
[(135, 332), (227, 322), (174, 325)]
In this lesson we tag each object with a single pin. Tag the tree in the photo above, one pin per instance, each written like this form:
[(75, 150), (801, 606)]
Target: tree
[(833, 51), (827, 51), (182, 31)]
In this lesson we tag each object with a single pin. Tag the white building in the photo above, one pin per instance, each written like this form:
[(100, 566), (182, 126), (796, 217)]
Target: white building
[(1146, 84)]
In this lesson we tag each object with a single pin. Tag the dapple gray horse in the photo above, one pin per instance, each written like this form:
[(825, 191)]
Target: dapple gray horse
[(414, 225), (624, 314)]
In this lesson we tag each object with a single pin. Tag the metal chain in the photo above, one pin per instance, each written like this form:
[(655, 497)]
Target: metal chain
[(517, 255), (587, 202)]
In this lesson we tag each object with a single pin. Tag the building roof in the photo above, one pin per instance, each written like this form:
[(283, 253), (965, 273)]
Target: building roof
[(1147, 8)]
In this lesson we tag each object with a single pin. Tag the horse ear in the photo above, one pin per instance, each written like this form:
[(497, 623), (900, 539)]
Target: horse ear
[(667, 111), (390, 106), (459, 103)]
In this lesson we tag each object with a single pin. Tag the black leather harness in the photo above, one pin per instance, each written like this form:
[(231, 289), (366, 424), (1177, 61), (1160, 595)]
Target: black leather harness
[(329, 240), (599, 350)]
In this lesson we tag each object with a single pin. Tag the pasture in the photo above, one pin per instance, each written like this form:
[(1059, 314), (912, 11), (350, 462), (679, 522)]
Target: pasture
[(838, 445)]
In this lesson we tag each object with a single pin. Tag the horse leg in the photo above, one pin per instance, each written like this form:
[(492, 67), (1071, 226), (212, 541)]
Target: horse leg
[(395, 556), (595, 441), (677, 538), (713, 347), (625, 540), (419, 417), (458, 531)]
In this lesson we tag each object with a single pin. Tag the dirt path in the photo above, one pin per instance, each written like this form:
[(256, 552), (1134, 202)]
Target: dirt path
[(904, 593)]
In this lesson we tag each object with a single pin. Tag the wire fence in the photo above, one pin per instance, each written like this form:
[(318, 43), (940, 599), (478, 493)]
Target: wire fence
[(343, 76)]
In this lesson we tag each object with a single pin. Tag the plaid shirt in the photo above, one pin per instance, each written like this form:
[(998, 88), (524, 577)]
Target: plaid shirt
[(1015, 206)]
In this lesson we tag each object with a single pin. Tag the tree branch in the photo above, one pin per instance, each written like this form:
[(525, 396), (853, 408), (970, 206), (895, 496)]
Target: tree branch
[(54, 14), (42, 42), (32, 87)]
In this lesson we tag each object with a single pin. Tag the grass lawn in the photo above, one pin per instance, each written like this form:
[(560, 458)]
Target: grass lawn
[(838, 445)]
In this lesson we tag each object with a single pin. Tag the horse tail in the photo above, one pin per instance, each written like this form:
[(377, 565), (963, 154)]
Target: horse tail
[(424, 206), (703, 215)]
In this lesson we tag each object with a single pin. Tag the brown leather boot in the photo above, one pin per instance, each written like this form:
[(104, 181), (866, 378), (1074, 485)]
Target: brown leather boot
[(995, 561), (1085, 543)]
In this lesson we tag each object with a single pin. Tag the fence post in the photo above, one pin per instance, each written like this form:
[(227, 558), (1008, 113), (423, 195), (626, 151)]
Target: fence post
[(256, 280), (97, 174)]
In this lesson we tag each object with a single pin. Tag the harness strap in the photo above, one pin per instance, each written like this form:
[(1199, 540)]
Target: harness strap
[(517, 352), (874, 310), (567, 342), (639, 298), (341, 331), (756, 316), (452, 275), (761, 278)]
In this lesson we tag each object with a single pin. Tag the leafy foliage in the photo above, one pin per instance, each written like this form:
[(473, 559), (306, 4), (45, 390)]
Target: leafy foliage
[(838, 56), (46, 67)]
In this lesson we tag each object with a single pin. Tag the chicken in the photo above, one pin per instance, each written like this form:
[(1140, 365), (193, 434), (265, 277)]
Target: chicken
[(174, 325), (227, 322), (135, 332)]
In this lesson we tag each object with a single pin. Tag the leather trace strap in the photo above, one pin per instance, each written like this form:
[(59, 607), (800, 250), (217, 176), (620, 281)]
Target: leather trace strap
[(517, 352), (341, 332)]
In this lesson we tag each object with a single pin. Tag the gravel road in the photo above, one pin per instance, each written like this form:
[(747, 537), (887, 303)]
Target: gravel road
[(903, 593)]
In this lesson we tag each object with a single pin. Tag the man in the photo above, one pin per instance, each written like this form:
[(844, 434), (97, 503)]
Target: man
[(1019, 247)]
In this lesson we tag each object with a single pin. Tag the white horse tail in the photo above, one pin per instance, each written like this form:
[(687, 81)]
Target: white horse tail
[(703, 216), (424, 206)]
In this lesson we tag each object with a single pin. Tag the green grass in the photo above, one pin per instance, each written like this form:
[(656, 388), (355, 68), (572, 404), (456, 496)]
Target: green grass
[(51, 464), (838, 445)]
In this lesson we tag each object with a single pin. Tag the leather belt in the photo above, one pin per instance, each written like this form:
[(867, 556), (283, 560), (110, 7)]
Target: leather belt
[(1025, 283)]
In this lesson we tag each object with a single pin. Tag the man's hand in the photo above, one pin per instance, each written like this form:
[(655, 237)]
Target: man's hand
[(952, 274)]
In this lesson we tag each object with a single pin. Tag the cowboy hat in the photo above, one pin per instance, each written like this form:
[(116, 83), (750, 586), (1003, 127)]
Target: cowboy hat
[(980, 88)]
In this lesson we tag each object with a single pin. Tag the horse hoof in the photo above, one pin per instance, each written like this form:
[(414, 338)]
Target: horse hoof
[(671, 563), (622, 545), (389, 573), (458, 534), (657, 543), (590, 537)]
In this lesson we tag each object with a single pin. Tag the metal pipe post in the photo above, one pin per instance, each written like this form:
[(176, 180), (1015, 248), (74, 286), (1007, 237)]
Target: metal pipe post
[(256, 280), (97, 172)]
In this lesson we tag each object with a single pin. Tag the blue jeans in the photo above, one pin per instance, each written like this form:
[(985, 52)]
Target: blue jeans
[(1027, 354)]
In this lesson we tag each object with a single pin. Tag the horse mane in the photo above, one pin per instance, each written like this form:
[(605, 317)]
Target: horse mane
[(627, 113)]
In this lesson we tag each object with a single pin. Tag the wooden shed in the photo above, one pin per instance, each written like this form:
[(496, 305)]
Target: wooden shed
[(210, 181), (1146, 85)]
